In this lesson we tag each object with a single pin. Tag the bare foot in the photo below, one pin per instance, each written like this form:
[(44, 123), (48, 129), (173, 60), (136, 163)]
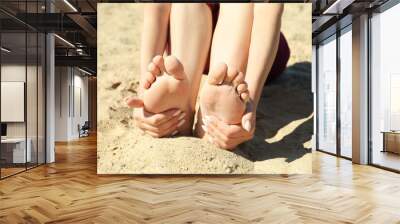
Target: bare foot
[(166, 87), (224, 95)]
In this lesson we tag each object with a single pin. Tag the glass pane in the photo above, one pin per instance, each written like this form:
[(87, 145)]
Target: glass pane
[(31, 100), (327, 96), (385, 114), (346, 93), (41, 98), (13, 92)]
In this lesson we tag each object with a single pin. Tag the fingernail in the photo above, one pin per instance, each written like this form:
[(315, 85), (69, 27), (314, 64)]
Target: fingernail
[(205, 120), (176, 113), (174, 133), (126, 100), (210, 140), (210, 119), (182, 116), (247, 126), (204, 128), (181, 123)]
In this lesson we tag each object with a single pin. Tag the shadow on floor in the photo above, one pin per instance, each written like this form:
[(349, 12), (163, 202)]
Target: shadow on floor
[(284, 117)]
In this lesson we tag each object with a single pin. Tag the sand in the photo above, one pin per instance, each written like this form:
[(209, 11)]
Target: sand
[(282, 140)]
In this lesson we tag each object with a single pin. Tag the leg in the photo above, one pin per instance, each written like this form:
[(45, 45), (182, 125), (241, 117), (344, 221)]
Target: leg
[(190, 39), (191, 26), (225, 92), (231, 40), (154, 35)]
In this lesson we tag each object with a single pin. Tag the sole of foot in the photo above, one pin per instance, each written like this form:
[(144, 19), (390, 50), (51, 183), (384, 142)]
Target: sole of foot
[(166, 87), (223, 96)]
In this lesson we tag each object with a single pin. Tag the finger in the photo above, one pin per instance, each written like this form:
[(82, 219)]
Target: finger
[(238, 79), (217, 74), (153, 134), (174, 123), (158, 119), (224, 145), (231, 74), (134, 102), (216, 133), (167, 130), (248, 122), (214, 138), (230, 131)]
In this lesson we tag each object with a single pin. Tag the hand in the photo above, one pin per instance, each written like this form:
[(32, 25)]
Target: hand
[(229, 136), (157, 125)]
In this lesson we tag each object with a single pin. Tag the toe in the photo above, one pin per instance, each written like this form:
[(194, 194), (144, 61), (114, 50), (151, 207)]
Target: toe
[(174, 67), (159, 62), (153, 69), (238, 79), (231, 74), (241, 88), (244, 96), (217, 75), (149, 79)]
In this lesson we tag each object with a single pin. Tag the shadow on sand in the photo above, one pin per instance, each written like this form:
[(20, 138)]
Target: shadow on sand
[(284, 117)]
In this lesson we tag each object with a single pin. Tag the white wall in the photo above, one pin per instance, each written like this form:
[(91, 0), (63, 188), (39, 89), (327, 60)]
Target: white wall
[(70, 84), (62, 81), (33, 126)]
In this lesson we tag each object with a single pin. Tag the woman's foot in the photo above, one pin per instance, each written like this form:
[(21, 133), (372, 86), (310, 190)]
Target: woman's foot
[(224, 96), (166, 87)]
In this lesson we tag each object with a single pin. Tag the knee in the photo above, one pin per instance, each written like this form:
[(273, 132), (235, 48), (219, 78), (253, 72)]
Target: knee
[(190, 7), (157, 8)]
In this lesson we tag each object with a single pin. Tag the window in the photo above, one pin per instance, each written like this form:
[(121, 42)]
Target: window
[(346, 75), (385, 89), (327, 95), (22, 88)]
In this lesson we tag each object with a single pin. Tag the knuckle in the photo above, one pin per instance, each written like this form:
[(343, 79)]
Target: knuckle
[(155, 135), (157, 119), (224, 145), (152, 121), (225, 139), (230, 134)]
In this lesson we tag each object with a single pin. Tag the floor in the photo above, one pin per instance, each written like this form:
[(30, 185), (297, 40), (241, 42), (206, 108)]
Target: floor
[(69, 191), (8, 171), (388, 159)]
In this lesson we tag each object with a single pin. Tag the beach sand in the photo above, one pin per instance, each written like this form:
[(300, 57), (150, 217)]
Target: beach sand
[(282, 142)]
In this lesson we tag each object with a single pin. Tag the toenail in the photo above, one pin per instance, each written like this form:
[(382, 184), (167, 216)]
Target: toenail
[(181, 122), (176, 113), (204, 128)]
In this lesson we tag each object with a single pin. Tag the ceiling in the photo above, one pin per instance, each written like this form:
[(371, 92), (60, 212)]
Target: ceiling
[(332, 15), (74, 22)]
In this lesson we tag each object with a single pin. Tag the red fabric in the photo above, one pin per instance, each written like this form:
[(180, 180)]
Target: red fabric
[(282, 55), (281, 59)]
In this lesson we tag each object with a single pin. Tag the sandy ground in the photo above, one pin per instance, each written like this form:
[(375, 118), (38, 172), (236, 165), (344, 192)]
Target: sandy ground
[(282, 141)]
